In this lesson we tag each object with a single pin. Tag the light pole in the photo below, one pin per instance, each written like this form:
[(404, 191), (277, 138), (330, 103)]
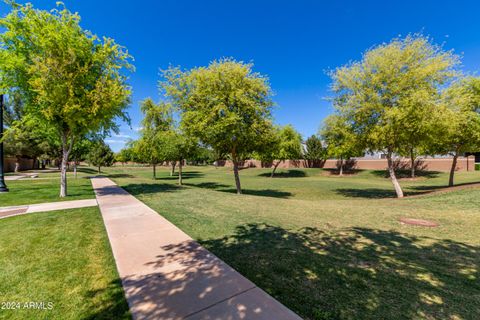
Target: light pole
[(3, 186)]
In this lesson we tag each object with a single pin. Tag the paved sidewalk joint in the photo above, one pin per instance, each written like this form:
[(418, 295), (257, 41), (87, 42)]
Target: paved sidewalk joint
[(167, 275)]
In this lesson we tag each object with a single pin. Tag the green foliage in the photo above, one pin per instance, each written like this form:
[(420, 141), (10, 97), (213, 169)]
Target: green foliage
[(158, 119), (341, 141), (101, 155), (226, 105), (314, 151), (124, 155), (391, 92), (379, 94), (460, 117), (477, 166), (285, 143), (69, 79)]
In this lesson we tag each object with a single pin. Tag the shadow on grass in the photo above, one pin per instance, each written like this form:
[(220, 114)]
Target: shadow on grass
[(435, 188), (226, 188), (111, 303), (369, 193), (402, 174), (119, 175), (347, 172), (86, 170), (285, 174), (356, 273), (185, 175), (149, 188)]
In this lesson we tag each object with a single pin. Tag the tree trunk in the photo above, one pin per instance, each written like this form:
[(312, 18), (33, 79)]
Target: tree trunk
[(75, 168), (452, 169), (412, 163), (17, 164), (341, 167), (63, 167), (393, 177), (237, 177), (99, 170), (180, 172), (172, 172), (275, 166), (154, 171)]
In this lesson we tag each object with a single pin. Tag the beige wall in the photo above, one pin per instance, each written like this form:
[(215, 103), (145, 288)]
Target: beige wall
[(438, 164), (25, 164)]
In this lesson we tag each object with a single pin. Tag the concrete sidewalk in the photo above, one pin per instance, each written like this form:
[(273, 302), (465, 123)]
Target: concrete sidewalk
[(167, 275), (6, 212)]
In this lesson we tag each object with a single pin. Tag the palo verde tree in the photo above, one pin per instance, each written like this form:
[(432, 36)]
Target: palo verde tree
[(177, 147), (461, 121), (68, 78), (341, 141), (314, 152), (100, 155), (158, 119), (226, 105), (375, 94), (286, 144)]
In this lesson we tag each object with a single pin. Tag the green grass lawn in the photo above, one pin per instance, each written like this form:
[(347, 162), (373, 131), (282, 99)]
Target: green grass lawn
[(62, 258), (332, 247), (46, 188)]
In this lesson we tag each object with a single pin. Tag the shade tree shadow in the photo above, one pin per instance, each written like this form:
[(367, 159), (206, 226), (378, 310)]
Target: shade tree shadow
[(357, 273), (227, 188), (150, 188), (110, 302), (368, 193), (285, 174), (185, 175)]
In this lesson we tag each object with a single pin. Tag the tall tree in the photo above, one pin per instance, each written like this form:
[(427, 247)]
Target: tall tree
[(461, 121), (177, 148), (68, 78), (314, 151), (341, 141), (226, 105), (100, 155), (374, 93), (286, 144), (157, 120)]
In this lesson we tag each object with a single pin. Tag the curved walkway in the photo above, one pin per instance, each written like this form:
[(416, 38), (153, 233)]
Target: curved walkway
[(167, 275)]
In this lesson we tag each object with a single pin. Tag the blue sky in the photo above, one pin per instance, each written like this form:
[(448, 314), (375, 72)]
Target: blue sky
[(293, 42)]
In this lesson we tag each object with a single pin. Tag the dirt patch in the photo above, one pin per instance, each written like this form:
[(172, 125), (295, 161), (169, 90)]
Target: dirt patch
[(419, 222)]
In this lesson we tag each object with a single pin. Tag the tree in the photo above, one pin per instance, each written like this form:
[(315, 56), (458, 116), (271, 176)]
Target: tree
[(461, 121), (124, 155), (286, 144), (101, 155), (226, 105), (22, 137), (314, 152), (374, 94), (68, 78), (80, 152), (340, 139), (177, 148), (157, 120)]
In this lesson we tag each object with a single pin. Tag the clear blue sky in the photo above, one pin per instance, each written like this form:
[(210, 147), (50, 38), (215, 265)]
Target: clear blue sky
[(293, 42)]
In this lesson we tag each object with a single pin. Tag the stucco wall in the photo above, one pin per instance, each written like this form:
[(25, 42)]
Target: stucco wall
[(25, 164), (439, 164)]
